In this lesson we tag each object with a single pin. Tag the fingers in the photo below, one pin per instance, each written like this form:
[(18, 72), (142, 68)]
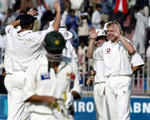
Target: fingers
[(56, 6), (91, 78), (33, 12), (51, 100)]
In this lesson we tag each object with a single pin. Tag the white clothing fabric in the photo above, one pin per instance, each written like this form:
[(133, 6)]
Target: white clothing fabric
[(26, 46), (120, 8), (99, 85), (76, 4), (36, 116), (8, 58), (5, 4), (98, 65), (99, 99), (148, 52), (21, 50), (96, 19), (83, 29), (82, 56), (63, 18), (17, 109), (118, 91), (69, 52), (136, 60), (116, 59), (139, 36), (42, 81), (117, 69), (3, 41)]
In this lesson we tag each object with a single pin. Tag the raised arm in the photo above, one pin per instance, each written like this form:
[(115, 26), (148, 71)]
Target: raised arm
[(93, 36), (56, 23), (128, 46), (17, 22)]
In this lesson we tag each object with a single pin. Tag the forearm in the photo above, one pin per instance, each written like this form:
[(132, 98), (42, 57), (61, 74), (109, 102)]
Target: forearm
[(15, 23), (90, 49), (36, 98), (56, 23), (136, 68), (127, 45), (75, 95)]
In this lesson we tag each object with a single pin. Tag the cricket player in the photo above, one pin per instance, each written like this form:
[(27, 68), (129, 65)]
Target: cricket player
[(24, 47), (136, 61), (97, 36), (48, 80), (116, 54)]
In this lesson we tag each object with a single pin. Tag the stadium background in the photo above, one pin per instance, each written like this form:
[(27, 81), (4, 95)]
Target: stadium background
[(85, 109)]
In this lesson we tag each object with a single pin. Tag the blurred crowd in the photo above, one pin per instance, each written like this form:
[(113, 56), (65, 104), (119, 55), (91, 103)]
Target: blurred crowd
[(78, 16)]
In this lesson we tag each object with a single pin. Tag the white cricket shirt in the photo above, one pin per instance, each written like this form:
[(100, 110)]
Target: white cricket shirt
[(116, 59), (136, 60), (40, 81), (98, 65), (26, 46)]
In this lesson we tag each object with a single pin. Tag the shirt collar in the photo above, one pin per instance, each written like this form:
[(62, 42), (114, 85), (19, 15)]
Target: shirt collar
[(25, 32)]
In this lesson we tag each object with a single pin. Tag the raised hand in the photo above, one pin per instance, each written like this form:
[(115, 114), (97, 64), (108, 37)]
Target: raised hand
[(117, 32), (92, 32), (33, 12), (56, 6)]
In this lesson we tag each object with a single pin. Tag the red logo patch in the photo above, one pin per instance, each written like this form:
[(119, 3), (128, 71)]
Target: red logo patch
[(108, 50)]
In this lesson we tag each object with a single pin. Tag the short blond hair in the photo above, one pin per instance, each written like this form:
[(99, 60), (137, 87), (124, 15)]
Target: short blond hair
[(111, 23)]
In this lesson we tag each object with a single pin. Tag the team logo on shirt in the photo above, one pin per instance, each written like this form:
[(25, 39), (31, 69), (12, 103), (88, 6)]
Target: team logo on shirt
[(108, 50), (45, 76)]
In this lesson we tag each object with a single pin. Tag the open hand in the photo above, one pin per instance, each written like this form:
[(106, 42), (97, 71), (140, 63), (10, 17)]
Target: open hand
[(92, 32), (33, 12), (56, 6)]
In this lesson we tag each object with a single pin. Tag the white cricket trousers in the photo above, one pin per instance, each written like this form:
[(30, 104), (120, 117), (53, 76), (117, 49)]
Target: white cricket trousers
[(99, 99), (17, 109), (118, 92), (38, 116)]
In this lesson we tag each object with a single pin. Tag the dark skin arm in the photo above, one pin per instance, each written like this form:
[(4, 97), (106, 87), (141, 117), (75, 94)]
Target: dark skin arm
[(16, 23), (136, 68), (76, 95), (46, 99)]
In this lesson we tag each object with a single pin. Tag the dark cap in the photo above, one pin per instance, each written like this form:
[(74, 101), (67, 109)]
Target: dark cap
[(26, 20), (54, 41)]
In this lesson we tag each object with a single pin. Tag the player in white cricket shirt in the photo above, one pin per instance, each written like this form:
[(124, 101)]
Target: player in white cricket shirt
[(136, 60), (48, 79), (25, 47), (117, 68), (98, 36)]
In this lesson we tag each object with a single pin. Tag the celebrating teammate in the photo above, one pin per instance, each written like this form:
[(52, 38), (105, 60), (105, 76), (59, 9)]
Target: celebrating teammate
[(116, 54), (97, 36), (23, 48)]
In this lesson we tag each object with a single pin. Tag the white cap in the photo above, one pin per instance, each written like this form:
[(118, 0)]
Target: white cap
[(66, 34), (105, 26), (101, 32)]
